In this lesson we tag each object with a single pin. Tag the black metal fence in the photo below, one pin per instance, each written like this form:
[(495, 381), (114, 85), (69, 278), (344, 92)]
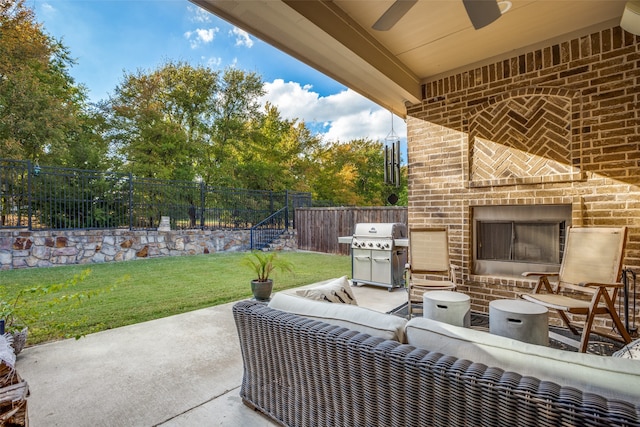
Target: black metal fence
[(48, 197)]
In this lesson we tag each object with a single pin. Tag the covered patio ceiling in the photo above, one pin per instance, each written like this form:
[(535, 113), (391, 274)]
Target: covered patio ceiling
[(432, 38)]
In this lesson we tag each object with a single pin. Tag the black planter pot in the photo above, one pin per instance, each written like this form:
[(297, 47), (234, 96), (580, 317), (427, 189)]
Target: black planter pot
[(262, 290)]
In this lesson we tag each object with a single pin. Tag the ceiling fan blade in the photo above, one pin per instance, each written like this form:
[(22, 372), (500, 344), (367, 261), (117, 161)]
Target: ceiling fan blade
[(482, 12), (397, 10)]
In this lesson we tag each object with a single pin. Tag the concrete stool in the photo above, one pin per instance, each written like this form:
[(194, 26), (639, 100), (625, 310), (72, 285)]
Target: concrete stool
[(449, 307), (520, 320)]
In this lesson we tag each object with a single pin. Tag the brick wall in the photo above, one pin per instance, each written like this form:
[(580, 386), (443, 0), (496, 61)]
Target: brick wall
[(557, 125)]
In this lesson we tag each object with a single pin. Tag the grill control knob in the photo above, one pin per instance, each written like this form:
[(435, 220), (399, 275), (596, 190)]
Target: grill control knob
[(386, 245), (370, 244), (378, 244)]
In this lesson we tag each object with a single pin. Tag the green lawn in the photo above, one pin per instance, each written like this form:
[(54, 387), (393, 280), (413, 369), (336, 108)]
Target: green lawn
[(141, 290)]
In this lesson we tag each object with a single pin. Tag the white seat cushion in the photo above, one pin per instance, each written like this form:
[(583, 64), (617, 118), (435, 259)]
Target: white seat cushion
[(360, 319), (609, 377)]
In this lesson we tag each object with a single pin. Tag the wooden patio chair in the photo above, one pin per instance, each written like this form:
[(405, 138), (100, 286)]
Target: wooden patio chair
[(428, 256), (588, 281)]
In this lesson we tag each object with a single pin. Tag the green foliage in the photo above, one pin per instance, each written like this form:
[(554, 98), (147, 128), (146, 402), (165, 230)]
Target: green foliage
[(264, 263), (403, 193), (237, 103), (159, 121), (42, 110), (181, 121), (350, 173), (275, 157), (30, 305)]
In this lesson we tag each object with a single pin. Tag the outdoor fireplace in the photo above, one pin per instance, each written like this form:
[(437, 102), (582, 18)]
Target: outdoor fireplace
[(508, 240)]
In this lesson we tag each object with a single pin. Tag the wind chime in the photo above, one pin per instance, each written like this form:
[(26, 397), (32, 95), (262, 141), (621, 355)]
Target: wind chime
[(392, 162), (392, 158)]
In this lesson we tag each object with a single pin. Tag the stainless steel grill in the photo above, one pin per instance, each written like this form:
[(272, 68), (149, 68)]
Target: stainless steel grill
[(378, 254)]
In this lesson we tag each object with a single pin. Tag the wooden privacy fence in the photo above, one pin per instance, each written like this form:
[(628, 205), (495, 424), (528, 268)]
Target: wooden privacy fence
[(318, 228)]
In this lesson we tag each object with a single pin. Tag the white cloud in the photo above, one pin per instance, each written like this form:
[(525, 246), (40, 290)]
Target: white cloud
[(242, 37), (206, 35), (48, 8), (198, 14), (212, 62), (342, 116), (201, 36)]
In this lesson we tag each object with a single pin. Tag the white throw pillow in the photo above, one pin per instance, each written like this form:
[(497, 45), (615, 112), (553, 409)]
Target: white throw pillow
[(337, 290), (629, 351)]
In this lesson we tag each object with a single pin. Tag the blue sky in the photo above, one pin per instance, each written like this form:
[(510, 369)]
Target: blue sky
[(110, 37)]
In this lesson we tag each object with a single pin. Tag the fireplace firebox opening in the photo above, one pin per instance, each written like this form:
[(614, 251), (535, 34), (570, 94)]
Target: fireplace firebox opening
[(509, 240)]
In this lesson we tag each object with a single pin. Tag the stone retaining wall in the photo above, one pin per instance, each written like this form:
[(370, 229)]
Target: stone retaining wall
[(24, 249)]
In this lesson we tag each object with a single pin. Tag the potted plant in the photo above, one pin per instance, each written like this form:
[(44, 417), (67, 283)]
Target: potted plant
[(263, 264)]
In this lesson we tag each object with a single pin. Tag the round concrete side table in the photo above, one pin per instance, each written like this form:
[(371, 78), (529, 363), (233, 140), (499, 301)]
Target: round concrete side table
[(520, 320), (449, 307)]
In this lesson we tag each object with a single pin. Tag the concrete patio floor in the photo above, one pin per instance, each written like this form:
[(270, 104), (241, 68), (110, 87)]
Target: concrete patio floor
[(183, 370)]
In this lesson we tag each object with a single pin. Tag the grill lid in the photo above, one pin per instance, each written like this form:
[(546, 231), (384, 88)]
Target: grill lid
[(377, 236), (381, 230)]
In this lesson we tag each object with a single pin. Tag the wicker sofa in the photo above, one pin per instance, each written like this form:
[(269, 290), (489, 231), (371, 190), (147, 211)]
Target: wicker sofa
[(311, 363)]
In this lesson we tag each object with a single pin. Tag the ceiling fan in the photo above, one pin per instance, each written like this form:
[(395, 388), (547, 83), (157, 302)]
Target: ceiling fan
[(480, 12)]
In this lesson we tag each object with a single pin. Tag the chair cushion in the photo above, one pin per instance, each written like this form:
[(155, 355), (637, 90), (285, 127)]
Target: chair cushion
[(609, 377), (337, 290), (435, 284), (560, 302), (420, 286), (360, 319)]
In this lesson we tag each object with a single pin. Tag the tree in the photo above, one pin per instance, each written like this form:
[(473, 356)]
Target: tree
[(85, 145), (237, 104), (40, 104), (275, 155), (160, 121), (351, 173), (181, 121)]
